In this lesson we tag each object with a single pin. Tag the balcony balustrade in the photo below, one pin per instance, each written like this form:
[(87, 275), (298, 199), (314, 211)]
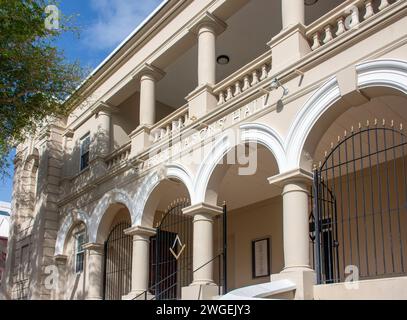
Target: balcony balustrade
[(118, 157), (344, 18), (171, 124), (243, 79)]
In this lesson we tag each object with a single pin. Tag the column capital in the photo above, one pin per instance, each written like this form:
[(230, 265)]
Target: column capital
[(140, 231), (98, 247), (104, 107), (208, 20), (293, 176), (203, 208), (148, 70)]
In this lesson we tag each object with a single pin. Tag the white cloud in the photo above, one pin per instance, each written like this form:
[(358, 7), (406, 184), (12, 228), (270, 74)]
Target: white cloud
[(115, 20)]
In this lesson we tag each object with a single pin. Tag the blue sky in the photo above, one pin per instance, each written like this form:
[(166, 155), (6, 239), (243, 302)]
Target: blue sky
[(103, 24)]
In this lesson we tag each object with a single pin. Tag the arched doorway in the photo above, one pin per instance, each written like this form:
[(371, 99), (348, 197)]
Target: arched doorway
[(117, 254), (254, 214), (171, 247), (118, 260), (360, 189), (171, 253)]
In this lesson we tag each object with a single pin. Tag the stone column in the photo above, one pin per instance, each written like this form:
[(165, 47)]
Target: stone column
[(141, 260), (295, 185), (202, 99), (94, 271), (203, 285), (147, 99), (102, 136), (206, 54), (291, 44), (296, 226), (293, 12), (60, 261), (148, 76)]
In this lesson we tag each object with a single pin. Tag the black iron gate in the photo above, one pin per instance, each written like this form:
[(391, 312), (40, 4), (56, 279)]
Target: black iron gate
[(328, 235), (118, 259), (171, 253), (358, 222), (171, 266)]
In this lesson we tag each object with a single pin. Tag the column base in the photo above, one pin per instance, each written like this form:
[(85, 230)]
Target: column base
[(201, 101), (140, 140), (138, 295), (292, 40), (304, 278), (97, 167), (200, 292)]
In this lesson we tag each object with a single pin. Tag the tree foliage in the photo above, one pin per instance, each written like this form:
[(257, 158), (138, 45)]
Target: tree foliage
[(35, 78)]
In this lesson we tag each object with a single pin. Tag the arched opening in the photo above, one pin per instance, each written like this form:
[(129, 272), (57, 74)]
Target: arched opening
[(254, 215), (360, 187), (117, 252), (74, 286), (171, 247)]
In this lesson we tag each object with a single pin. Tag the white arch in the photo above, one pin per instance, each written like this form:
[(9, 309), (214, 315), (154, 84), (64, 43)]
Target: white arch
[(385, 73), (267, 136), (112, 197), (69, 221), (389, 73), (175, 171), (305, 120), (250, 132)]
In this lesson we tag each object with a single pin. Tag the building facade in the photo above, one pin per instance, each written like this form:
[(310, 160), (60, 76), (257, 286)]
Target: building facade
[(248, 148)]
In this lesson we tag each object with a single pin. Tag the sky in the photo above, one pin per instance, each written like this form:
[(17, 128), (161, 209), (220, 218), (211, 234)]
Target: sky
[(103, 25)]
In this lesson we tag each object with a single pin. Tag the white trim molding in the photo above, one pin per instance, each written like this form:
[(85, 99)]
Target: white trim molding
[(115, 196), (148, 185), (250, 132), (307, 117), (385, 73), (69, 221), (377, 73)]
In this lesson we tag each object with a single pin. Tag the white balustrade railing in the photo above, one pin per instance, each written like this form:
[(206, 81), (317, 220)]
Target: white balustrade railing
[(245, 78), (171, 124), (347, 16), (119, 156)]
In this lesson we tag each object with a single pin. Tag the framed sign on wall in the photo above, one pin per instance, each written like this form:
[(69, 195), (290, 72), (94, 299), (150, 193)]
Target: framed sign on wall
[(261, 258)]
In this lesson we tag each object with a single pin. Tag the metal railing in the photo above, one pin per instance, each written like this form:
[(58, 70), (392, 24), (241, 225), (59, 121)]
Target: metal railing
[(163, 294), (359, 212)]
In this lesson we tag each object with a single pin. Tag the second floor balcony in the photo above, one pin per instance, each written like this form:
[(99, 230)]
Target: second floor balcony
[(227, 54)]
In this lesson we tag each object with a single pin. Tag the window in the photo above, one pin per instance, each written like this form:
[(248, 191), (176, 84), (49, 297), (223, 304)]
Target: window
[(79, 252), (85, 144)]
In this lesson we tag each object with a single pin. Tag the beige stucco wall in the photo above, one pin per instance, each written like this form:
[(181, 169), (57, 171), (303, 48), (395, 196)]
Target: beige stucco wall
[(377, 289), (257, 221)]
